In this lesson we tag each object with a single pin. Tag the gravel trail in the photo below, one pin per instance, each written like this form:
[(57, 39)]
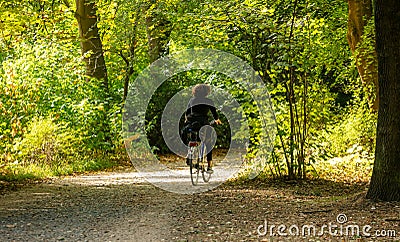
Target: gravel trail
[(101, 207), (121, 206)]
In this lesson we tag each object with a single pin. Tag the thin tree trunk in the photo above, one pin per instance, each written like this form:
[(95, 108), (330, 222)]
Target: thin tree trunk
[(385, 181), (129, 70), (292, 99)]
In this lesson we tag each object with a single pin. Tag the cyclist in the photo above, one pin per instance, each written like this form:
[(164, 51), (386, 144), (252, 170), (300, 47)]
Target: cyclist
[(198, 109)]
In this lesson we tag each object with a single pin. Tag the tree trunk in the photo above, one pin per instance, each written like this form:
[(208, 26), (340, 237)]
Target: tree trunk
[(385, 181), (360, 12), (92, 52), (91, 46), (158, 29)]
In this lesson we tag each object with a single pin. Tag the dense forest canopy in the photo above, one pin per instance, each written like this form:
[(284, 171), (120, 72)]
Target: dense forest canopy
[(57, 108)]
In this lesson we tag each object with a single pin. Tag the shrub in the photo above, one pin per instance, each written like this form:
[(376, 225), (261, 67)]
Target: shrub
[(47, 143), (354, 134)]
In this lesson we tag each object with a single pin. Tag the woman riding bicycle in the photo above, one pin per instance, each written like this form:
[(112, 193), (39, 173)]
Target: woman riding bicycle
[(198, 108)]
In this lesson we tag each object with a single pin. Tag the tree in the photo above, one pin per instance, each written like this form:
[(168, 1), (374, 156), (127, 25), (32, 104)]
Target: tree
[(91, 46), (360, 13), (158, 29), (385, 181), (92, 52)]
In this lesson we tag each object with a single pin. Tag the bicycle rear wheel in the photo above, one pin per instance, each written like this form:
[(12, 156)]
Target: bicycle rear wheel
[(203, 161), (194, 165)]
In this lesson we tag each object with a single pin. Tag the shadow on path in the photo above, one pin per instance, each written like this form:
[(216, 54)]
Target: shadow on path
[(122, 206)]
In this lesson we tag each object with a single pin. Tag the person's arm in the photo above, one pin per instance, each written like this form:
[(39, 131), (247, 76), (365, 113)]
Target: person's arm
[(215, 114)]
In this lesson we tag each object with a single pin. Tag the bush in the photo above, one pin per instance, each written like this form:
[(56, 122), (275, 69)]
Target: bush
[(47, 143), (348, 169), (354, 134)]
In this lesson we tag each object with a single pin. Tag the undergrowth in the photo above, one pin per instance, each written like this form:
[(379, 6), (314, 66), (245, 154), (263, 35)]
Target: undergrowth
[(52, 149)]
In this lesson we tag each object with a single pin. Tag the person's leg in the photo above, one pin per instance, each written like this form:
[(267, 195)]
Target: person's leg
[(209, 158)]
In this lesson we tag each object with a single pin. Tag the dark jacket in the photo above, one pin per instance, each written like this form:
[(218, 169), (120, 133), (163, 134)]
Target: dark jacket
[(198, 109)]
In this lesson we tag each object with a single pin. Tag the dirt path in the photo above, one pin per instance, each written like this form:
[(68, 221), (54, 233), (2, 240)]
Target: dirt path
[(121, 206), (101, 207)]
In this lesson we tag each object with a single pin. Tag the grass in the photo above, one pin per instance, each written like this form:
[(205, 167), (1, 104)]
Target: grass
[(349, 169), (19, 172)]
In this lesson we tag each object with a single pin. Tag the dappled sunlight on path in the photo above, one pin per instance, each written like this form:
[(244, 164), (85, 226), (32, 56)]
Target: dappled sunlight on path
[(123, 206)]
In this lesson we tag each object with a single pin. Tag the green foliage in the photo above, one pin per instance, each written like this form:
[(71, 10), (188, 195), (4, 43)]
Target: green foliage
[(35, 81), (16, 171), (47, 142), (50, 149), (29, 21), (354, 133), (301, 54), (365, 56)]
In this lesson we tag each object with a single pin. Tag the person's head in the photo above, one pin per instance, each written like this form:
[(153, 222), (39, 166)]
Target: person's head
[(201, 90)]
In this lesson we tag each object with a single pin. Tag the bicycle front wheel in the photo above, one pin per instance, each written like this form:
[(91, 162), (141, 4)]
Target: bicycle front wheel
[(194, 165)]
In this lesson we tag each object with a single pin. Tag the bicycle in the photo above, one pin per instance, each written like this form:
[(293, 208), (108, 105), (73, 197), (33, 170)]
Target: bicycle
[(197, 157)]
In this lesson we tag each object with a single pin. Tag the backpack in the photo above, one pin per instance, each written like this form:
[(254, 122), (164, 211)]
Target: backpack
[(190, 127)]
